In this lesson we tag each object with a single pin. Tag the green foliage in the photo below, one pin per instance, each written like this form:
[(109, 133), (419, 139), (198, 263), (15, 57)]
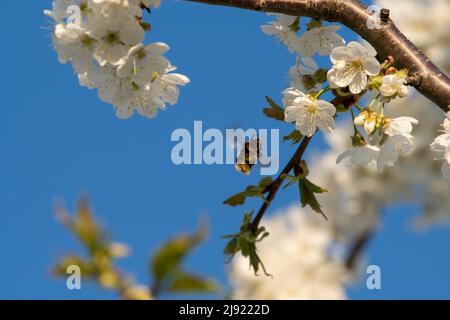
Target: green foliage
[(313, 23), (274, 111), (295, 26), (99, 264), (146, 26), (295, 137), (307, 189), (250, 191), (167, 270), (308, 197), (245, 242), (186, 282)]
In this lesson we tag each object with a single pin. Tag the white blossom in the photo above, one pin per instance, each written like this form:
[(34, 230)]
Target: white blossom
[(352, 65), (441, 145), (73, 45), (391, 149), (141, 64), (402, 126), (114, 35), (363, 155), (107, 54), (320, 40), (397, 140), (301, 75), (381, 146), (282, 29), (392, 85), (307, 112), (370, 123), (59, 10)]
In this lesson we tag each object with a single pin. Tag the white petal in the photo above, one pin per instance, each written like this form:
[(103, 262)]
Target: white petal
[(359, 83), (446, 171), (371, 66), (340, 54)]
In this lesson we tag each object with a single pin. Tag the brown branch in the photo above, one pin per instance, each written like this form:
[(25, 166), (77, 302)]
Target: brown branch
[(275, 186), (425, 76), (346, 102), (354, 253)]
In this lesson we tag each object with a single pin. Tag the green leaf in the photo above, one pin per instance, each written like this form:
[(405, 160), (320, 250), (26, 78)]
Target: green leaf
[(145, 25), (86, 229), (167, 259), (274, 111), (232, 247), (250, 191), (307, 195), (295, 26), (307, 189), (245, 242), (295, 137), (314, 23), (313, 187), (185, 282)]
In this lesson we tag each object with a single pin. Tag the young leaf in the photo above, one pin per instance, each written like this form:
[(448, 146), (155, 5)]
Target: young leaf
[(167, 260), (274, 111), (306, 188), (295, 137), (250, 191), (185, 282), (307, 195), (245, 242)]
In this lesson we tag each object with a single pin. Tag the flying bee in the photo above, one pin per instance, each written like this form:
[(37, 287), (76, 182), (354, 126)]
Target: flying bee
[(248, 156)]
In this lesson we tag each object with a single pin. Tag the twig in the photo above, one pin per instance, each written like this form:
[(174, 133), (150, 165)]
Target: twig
[(275, 186), (356, 250)]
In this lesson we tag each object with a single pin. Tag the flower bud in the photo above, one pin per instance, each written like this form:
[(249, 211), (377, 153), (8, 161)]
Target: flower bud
[(361, 118), (371, 123), (391, 70)]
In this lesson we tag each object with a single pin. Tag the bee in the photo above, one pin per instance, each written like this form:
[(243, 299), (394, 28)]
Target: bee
[(248, 156)]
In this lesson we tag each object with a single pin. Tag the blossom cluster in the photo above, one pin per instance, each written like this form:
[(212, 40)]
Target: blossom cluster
[(377, 140), (103, 40), (441, 145), (358, 193)]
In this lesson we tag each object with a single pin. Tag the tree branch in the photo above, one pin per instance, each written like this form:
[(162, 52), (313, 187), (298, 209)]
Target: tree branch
[(355, 251), (275, 186), (428, 79)]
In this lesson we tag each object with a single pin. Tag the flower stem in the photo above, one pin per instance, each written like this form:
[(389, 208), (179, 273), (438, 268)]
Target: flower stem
[(321, 92)]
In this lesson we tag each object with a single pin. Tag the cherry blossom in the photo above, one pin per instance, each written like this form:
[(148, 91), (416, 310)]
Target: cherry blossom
[(361, 155), (320, 40), (441, 145), (351, 67), (284, 29), (107, 54), (393, 85), (308, 112)]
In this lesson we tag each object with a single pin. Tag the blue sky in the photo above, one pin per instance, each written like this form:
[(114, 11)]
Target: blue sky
[(59, 140)]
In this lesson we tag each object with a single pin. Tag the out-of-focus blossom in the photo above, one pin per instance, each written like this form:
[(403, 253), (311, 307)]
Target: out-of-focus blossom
[(297, 255)]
